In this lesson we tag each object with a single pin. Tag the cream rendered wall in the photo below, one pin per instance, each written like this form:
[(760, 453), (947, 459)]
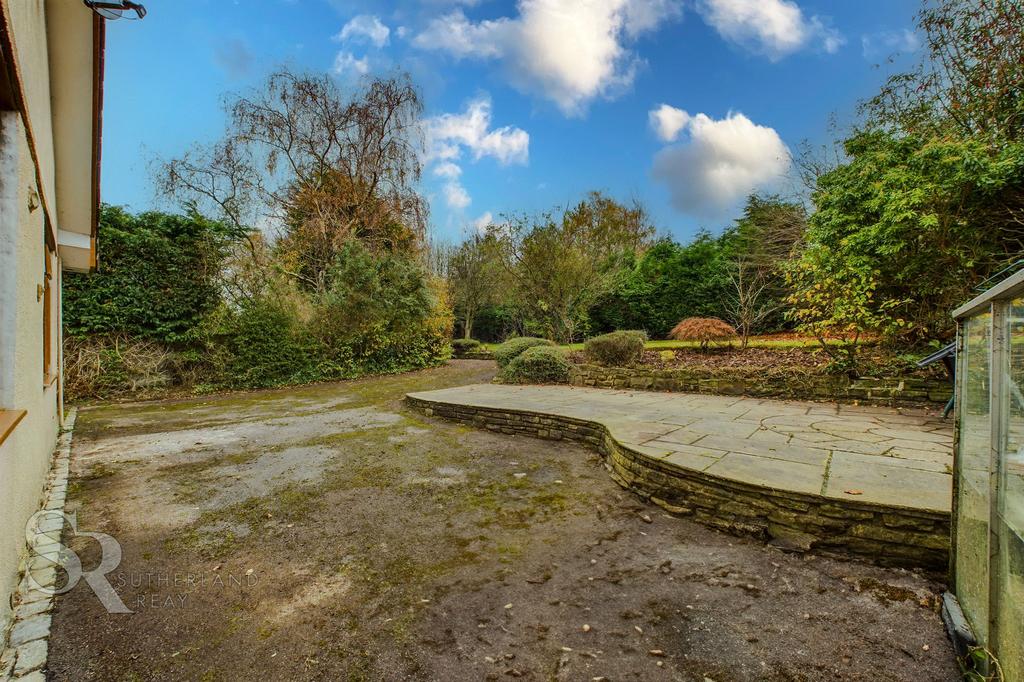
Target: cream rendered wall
[(25, 456), (28, 24)]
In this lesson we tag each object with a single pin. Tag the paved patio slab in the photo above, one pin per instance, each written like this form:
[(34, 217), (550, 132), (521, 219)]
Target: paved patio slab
[(894, 457)]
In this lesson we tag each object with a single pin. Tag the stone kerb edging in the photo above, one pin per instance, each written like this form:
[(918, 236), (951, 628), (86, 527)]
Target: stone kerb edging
[(882, 534), (26, 643)]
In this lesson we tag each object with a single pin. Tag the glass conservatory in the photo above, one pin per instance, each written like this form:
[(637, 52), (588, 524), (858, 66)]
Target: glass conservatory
[(988, 483)]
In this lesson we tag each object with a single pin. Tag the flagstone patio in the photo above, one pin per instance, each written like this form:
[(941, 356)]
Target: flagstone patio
[(894, 463)]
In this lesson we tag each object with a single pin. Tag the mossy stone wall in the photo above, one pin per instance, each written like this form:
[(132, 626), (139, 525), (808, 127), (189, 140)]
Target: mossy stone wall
[(883, 390), (798, 521)]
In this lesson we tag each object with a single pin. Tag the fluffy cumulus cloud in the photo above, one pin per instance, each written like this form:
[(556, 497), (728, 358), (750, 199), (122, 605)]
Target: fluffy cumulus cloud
[(447, 169), (774, 28), (448, 136), (667, 121), (346, 64), (885, 43), (483, 222), (455, 195), (719, 162), (364, 28), (569, 51)]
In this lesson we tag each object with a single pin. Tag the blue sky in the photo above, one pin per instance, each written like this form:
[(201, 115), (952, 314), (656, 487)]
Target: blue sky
[(530, 103)]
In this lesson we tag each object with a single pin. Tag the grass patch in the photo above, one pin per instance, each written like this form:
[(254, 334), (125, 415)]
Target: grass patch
[(213, 535)]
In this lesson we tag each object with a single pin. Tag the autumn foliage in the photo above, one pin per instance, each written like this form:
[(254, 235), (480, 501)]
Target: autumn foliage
[(704, 330)]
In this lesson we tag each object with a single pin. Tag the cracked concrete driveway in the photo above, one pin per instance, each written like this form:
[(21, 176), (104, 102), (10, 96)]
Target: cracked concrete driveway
[(327, 532)]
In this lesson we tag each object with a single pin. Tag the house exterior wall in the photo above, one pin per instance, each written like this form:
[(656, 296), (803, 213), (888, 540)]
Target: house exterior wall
[(25, 453), (27, 23), (37, 174)]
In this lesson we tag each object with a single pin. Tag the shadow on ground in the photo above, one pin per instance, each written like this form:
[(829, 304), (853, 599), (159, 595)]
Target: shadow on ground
[(328, 532)]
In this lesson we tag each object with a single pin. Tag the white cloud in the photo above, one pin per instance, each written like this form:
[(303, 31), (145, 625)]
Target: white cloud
[(722, 161), (447, 169), (667, 122), (885, 43), (570, 51), (456, 34), (345, 63), (365, 27), (774, 28), (483, 222), (447, 134), (456, 195)]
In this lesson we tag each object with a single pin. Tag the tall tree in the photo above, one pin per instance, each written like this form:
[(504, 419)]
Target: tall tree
[(475, 276), (757, 248), (561, 265), (930, 200), (971, 80), (326, 166)]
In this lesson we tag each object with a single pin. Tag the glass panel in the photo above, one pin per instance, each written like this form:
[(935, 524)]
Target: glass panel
[(1008, 562), (975, 447)]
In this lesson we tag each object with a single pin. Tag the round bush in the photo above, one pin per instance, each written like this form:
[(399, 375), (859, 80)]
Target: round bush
[(465, 345), (511, 349), (616, 349), (538, 365)]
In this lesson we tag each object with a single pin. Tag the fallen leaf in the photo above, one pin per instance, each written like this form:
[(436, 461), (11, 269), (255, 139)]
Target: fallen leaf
[(854, 492)]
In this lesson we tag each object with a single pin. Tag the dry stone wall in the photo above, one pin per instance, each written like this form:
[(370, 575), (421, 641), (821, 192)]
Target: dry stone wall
[(797, 521)]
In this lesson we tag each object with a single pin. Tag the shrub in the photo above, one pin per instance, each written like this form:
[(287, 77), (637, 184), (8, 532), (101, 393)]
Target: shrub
[(266, 346), (383, 313), (465, 345), (174, 306), (705, 330), (537, 365), (157, 277), (508, 351), (616, 349)]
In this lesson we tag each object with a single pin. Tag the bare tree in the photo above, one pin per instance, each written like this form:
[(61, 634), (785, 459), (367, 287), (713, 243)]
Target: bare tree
[(750, 301), (763, 241), (326, 166)]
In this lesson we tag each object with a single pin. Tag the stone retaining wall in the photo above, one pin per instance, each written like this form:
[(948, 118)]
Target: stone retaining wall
[(797, 521), (886, 390), (474, 355)]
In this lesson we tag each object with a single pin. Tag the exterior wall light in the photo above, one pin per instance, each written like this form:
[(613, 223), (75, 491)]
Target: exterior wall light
[(116, 9)]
